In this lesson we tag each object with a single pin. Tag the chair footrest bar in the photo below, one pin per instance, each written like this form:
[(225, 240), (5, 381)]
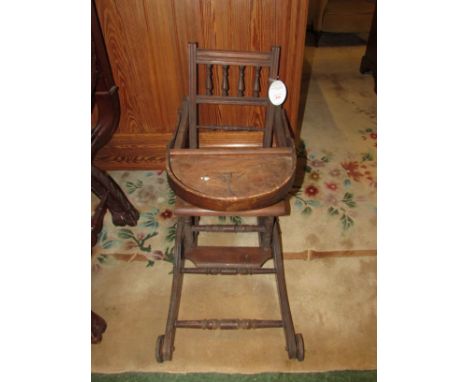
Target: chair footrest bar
[(228, 324), (228, 257), (228, 271), (227, 228), (230, 128)]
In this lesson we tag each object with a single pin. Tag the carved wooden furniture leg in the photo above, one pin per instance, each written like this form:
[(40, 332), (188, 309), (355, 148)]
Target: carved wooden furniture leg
[(97, 219), (123, 213), (98, 326), (165, 343), (104, 96), (294, 342)]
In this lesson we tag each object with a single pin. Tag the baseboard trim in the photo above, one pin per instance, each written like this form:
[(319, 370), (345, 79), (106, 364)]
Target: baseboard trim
[(134, 152)]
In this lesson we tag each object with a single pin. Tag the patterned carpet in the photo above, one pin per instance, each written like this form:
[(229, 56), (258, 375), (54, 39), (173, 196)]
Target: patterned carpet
[(332, 221)]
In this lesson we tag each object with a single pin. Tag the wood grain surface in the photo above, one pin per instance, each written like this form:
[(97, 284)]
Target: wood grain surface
[(232, 179), (147, 46)]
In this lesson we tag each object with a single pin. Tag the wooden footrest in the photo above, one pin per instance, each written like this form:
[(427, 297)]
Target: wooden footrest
[(228, 271), (228, 257), (228, 324)]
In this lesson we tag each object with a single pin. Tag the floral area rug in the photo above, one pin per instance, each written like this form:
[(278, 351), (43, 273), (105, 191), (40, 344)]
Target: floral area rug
[(333, 203)]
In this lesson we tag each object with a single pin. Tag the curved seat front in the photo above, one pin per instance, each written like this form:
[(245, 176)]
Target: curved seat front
[(231, 179)]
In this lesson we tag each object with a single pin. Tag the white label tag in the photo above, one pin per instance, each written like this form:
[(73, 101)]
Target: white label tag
[(277, 92)]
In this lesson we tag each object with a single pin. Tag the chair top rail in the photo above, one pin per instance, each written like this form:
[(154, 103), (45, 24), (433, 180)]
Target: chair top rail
[(219, 57)]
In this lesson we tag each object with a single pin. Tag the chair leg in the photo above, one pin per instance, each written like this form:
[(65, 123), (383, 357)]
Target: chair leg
[(165, 343), (264, 238), (196, 221), (188, 234), (294, 342)]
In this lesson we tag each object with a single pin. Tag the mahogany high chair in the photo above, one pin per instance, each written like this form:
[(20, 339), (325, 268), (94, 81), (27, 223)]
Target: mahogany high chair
[(225, 181)]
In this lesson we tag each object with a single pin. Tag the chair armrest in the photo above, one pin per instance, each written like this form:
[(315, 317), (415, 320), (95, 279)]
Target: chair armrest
[(180, 138)]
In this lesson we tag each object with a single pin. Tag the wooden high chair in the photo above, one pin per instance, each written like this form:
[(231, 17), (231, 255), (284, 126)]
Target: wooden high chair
[(230, 180)]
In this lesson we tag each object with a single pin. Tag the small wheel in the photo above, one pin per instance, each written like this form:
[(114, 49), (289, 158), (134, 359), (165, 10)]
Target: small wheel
[(159, 349), (299, 347)]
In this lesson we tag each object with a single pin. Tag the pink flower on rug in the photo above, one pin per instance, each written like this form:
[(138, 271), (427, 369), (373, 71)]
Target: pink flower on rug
[(331, 200), (373, 135), (166, 214), (311, 190), (331, 186), (352, 170), (335, 172)]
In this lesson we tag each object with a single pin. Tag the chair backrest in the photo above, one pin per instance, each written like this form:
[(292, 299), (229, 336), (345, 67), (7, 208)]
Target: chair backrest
[(227, 59)]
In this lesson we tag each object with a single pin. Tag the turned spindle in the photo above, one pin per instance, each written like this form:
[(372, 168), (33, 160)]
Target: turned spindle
[(209, 81), (256, 87), (225, 86), (241, 84)]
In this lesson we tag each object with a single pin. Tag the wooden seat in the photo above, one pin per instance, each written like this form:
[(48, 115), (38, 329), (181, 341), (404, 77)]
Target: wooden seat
[(231, 179)]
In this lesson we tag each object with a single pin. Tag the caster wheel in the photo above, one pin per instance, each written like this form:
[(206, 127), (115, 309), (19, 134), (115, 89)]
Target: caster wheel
[(299, 347), (159, 349)]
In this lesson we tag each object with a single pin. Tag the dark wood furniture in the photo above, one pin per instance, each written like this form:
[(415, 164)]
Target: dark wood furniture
[(369, 60), (339, 17), (230, 180), (105, 99)]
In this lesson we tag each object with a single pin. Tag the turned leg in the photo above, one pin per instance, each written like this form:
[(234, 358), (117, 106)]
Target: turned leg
[(165, 343), (196, 221), (264, 238), (294, 342), (188, 234)]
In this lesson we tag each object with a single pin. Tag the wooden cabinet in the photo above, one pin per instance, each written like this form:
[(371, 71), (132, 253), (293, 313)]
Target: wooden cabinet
[(147, 47)]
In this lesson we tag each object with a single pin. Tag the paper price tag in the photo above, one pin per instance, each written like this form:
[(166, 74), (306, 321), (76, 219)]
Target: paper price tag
[(277, 92)]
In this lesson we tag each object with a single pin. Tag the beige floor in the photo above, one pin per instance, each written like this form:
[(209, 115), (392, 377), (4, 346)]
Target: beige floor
[(333, 300), (332, 303)]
